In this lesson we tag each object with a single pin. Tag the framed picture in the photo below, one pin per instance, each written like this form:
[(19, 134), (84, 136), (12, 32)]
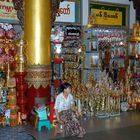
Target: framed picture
[(94, 60), (131, 49), (92, 45), (91, 60)]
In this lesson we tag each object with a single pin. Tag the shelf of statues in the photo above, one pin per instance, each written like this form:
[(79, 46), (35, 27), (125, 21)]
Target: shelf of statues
[(107, 103), (83, 93), (80, 91), (101, 105), (101, 100), (106, 97), (108, 100), (105, 47)]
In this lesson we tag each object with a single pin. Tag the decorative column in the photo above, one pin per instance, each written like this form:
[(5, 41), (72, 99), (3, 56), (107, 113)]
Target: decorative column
[(37, 29), (21, 85)]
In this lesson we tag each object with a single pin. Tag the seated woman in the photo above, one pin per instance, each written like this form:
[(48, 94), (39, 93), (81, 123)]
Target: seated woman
[(66, 114)]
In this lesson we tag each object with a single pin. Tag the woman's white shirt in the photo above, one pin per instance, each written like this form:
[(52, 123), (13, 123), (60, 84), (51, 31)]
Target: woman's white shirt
[(63, 103)]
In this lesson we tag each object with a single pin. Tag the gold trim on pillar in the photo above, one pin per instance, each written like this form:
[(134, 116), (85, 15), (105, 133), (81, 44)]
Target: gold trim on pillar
[(37, 77)]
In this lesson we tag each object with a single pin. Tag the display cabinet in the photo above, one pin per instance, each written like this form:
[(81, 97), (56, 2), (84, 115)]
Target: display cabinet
[(72, 54), (134, 57), (105, 50), (91, 63)]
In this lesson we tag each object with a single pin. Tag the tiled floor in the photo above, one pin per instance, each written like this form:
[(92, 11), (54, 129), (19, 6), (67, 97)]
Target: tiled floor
[(15, 133), (123, 127), (125, 133)]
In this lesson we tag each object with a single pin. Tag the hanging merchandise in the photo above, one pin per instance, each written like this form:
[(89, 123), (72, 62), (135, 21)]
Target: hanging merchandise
[(72, 53)]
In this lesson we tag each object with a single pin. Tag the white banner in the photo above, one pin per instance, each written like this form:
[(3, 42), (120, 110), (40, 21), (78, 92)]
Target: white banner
[(66, 12)]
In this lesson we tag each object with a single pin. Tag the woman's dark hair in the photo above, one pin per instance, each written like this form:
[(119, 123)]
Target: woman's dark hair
[(65, 86)]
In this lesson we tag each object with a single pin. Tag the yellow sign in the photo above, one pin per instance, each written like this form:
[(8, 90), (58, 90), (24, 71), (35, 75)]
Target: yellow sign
[(107, 17)]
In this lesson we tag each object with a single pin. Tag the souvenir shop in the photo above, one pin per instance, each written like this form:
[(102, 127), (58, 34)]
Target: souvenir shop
[(100, 59)]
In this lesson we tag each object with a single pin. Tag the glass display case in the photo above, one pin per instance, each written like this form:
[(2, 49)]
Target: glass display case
[(134, 58), (105, 50)]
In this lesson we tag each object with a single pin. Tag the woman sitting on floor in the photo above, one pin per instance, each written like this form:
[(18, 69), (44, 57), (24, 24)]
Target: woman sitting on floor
[(66, 114)]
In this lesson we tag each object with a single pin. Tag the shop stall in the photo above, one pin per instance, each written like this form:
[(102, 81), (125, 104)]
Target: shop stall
[(105, 63)]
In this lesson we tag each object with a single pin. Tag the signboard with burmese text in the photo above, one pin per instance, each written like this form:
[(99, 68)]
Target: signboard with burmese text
[(69, 11), (7, 11), (109, 14)]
